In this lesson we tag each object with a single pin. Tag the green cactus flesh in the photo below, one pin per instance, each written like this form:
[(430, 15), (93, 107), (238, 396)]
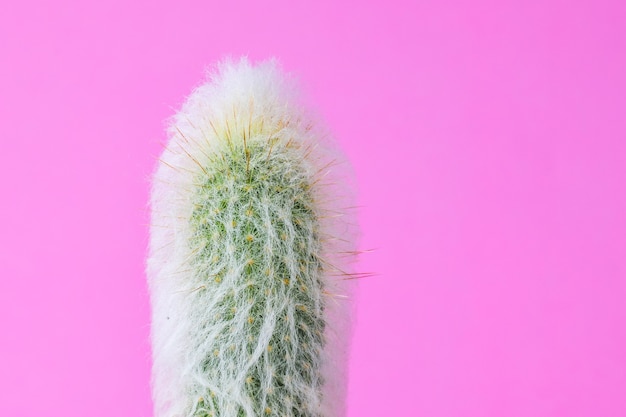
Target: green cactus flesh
[(255, 231)]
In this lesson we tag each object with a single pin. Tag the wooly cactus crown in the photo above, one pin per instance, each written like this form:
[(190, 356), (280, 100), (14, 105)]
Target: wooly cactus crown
[(250, 248)]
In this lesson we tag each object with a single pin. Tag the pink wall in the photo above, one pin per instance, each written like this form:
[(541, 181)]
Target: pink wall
[(489, 140)]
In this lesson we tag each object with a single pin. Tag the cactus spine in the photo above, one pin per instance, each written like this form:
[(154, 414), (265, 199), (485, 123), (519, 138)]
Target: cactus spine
[(243, 266)]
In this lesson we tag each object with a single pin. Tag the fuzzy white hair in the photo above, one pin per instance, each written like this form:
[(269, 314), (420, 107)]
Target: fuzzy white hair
[(219, 347)]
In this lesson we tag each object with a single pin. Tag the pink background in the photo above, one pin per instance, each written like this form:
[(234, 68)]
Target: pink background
[(489, 140)]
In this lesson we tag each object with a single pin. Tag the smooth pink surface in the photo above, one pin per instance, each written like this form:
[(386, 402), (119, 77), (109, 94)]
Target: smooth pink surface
[(489, 140)]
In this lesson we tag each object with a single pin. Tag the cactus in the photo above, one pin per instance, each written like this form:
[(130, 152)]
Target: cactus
[(250, 247)]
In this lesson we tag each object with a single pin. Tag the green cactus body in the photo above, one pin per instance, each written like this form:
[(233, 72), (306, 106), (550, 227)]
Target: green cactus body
[(254, 215)]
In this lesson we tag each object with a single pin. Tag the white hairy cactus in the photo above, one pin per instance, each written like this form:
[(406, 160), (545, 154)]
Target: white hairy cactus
[(250, 249)]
